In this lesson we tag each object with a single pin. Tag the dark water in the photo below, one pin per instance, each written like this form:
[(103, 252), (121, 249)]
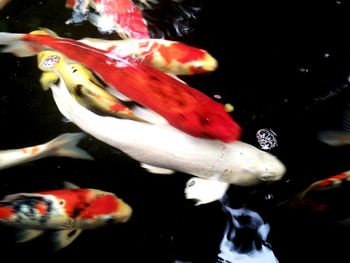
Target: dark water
[(278, 63)]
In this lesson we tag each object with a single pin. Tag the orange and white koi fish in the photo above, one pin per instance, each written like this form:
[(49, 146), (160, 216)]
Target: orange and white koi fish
[(184, 107), (120, 16), (169, 56), (66, 211), (328, 183), (81, 82), (63, 145), (161, 148)]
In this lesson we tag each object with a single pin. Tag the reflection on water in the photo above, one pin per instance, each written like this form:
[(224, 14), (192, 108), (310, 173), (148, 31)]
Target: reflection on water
[(286, 70)]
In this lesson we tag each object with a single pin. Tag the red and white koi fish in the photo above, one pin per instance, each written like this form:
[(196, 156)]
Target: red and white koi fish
[(63, 145), (161, 148), (309, 201), (168, 56), (66, 211), (185, 108), (328, 183), (120, 16)]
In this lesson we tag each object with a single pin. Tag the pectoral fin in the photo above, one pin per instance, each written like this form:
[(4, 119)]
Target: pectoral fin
[(25, 235), (156, 170), (47, 78), (205, 191), (63, 238)]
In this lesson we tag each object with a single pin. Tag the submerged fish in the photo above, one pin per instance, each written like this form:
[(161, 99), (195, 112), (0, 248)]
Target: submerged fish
[(169, 56), (327, 183), (185, 108), (65, 212), (120, 16), (81, 82), (63, 145), (338, 137), (162, 149), (244, 238)]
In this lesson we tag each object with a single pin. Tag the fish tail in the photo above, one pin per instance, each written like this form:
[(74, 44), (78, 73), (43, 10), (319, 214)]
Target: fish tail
[(65, 145), (14, 44)]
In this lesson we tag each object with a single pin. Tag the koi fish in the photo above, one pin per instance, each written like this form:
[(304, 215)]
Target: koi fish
[(165, 55), (245, 238), (63, 145), (81, 83), (328, 183), (65, 212), (120, 16), (338, 137), (161, 148), (185, 108)]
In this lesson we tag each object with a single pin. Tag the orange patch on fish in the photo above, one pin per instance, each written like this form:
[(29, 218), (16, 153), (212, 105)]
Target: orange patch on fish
[(5, 212), (42, 208), (101, 206), (73, 200), (35, 150)]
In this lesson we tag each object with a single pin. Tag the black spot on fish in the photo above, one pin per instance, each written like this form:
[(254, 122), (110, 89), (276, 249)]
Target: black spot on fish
[(78, 90)]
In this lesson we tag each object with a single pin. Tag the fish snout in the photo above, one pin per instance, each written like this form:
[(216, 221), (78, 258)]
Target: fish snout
[(273, 169), (124, 212)]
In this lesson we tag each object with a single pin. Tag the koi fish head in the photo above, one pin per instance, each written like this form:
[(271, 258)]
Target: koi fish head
[(104, 209), (259, 166), (206, 64)]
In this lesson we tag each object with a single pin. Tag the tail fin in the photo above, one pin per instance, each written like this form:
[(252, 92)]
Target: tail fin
[(15, 45), (65, 145)]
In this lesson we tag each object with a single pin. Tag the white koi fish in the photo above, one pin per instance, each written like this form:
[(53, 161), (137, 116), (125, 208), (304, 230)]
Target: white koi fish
[(163, 149), (63, 145)]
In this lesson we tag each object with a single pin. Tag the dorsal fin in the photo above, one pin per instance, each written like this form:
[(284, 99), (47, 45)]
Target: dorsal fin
[(69, 185)]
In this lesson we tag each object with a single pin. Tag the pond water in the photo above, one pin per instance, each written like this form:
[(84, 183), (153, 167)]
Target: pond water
[(283, 66)]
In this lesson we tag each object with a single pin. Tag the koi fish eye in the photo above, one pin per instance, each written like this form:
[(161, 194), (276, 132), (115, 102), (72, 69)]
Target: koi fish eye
[(61, 202)]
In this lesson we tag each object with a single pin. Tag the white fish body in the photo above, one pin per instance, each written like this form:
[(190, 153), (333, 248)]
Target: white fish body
[(63, 145), (163, 146)]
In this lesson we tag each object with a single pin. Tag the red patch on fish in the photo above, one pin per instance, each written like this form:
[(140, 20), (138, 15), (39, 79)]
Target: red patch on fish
[(70, 3), (41, 208), (73, 200), (181, 52), (6, 212), (103, 205), (183, 107), (127, 15)]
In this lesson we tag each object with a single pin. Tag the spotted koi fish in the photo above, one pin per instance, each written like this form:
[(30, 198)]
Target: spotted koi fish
[(168, 56), (66, 211), (120, 16), (184, 107), (81, 83), (63, 145)]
